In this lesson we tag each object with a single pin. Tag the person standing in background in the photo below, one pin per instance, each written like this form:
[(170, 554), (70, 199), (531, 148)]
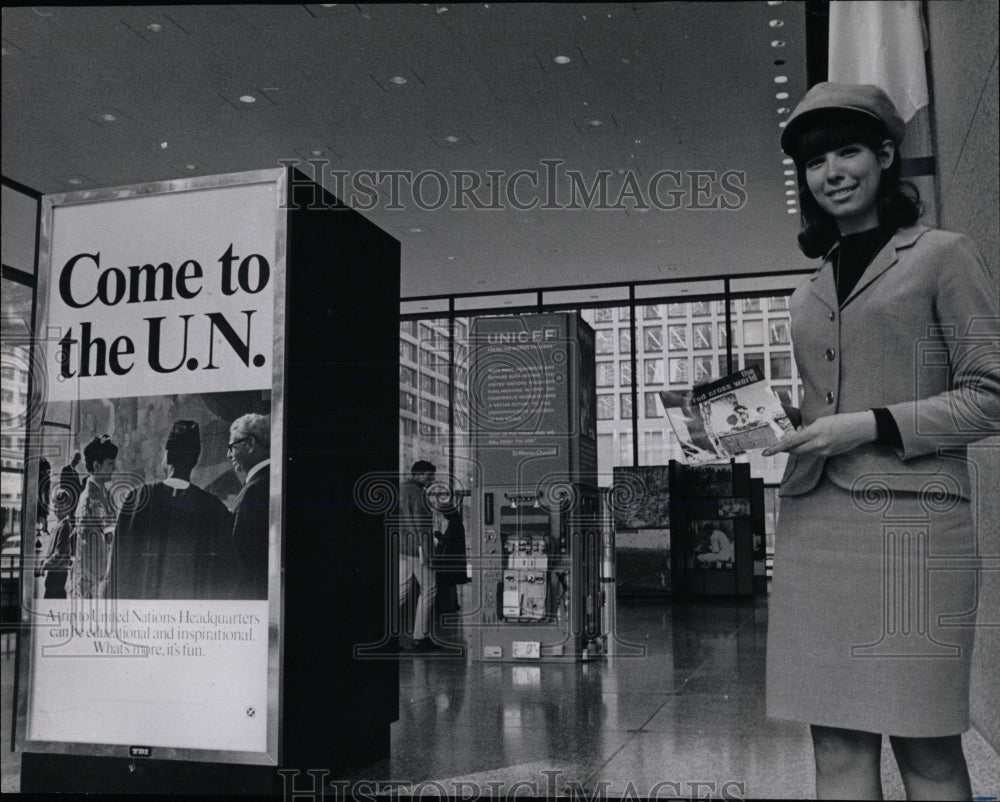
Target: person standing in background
[(416, 547)]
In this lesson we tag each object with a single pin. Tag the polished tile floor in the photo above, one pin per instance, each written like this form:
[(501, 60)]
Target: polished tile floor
[(679, 712), (681, 716)]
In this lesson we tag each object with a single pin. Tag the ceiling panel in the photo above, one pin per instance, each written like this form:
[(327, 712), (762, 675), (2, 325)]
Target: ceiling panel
[(677, 86)]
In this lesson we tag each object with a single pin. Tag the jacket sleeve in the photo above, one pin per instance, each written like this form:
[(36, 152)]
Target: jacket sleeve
[(959, 353)]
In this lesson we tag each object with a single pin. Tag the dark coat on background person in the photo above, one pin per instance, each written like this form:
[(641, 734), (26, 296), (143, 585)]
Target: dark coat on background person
[(171, 544), (449, 556), (251, 512)]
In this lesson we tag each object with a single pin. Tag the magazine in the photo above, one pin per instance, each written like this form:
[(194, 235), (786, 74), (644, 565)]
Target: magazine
[(726, 417)]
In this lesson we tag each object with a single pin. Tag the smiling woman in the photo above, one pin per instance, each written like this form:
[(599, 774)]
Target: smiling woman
[(869, 454)]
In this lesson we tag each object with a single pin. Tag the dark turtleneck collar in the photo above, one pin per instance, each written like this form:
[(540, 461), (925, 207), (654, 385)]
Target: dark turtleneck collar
[(854, 254)]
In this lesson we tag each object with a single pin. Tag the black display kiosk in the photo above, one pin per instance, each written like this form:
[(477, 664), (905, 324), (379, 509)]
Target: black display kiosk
[(340, 423), (711, 530)]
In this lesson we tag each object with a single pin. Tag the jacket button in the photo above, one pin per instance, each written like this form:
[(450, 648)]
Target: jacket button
[(830, 354), (833, 315), (829, 397)]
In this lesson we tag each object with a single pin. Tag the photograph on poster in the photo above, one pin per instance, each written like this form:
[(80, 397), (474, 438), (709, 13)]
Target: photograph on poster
[(734, 507), (641, 497), (712, 544), (174, 515)]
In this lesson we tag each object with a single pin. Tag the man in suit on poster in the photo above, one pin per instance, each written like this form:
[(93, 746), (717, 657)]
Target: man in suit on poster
[(249, 451)]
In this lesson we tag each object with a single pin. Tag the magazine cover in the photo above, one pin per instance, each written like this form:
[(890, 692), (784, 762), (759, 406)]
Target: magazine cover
[(726, 417)]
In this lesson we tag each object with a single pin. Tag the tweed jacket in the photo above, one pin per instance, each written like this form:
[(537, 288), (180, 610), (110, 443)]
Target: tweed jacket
[(919, 335)]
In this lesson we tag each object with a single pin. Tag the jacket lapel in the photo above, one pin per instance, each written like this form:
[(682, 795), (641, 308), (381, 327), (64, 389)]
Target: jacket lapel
[(822, 284), (886, 258)]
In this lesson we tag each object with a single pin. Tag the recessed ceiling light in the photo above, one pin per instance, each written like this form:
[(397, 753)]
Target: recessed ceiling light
[(191, 166), (451, 258), (789, 183), (790, 202), (776, 23), (787, 161), (415, 230), (783, 123), (451, 138), (783, 110), (442, 9), (155, 27), (789, 191), (595, 123), (781, 79), (777, 43), (327, 5), (789, 172), (108, 118), (561, 59), (75, 180), (163, 146), (399, 80), (791, 211), (247, 99), (782, 95), (774, 2), (316, 152)]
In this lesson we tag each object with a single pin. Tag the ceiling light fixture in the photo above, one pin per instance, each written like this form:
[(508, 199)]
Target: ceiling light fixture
[(316, 152), (781, 79), (155, 27), (789, 172), (442, 9), (399, 80), (595, 123), (787, 161), (163, 146), (415, 230), (561, 59), (783, 123), (451, 138), (783, 110), (776, 23), (247, 99), (789, 191), (75, 180), (108, 118), (790, 202), (791, 211), (782, 95), (191, 166)]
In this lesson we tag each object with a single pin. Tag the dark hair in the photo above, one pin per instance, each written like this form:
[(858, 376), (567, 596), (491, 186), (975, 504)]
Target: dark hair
[(98, 450), (183, 444), (422, 466), (898, 201)]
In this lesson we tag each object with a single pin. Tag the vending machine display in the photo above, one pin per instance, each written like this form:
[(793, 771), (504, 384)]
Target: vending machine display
[(536, 532)]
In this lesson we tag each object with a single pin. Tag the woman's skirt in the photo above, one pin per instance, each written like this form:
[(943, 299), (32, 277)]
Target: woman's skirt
[(872, 610)]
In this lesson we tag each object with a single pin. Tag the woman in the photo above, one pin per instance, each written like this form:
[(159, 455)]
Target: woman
[(95, 522), (882, 341)]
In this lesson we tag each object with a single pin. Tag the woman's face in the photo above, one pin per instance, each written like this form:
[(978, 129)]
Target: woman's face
[(103, 470), (844, 182)]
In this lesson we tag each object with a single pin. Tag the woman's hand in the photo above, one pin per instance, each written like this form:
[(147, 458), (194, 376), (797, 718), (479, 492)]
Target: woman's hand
[(833, 434)]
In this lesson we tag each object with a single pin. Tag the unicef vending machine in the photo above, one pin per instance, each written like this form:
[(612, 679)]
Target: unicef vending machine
[(536, 518)]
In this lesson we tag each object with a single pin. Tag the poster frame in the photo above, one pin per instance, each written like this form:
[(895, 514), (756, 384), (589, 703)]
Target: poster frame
[(271, 756)]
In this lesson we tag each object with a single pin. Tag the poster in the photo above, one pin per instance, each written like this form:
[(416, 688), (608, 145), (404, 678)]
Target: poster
[(155, 614)]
